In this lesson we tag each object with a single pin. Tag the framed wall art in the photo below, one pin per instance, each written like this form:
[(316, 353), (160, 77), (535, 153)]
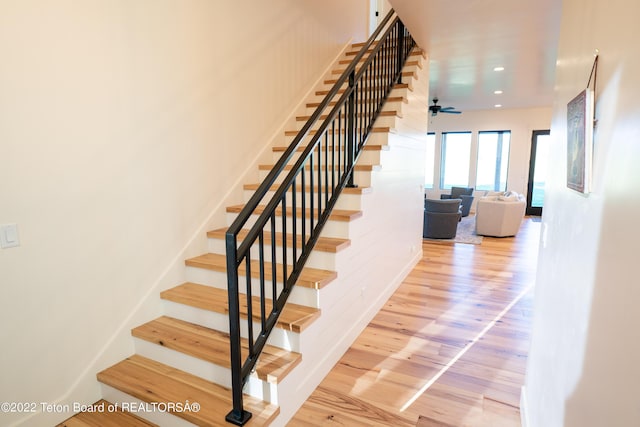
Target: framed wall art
[(580, 141)]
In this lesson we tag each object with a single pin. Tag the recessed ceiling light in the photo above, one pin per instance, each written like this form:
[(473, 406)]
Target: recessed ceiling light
[(497, 92), (498, 69), (498, 105)]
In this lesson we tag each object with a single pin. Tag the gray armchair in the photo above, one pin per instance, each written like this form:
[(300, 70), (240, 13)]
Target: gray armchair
[(463, 193), (441, 218)]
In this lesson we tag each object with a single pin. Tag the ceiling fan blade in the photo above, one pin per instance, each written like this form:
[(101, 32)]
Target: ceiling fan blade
[(450, 111), (447, 108)]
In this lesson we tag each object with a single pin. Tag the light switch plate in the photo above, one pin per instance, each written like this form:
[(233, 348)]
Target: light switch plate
[(9, 236)]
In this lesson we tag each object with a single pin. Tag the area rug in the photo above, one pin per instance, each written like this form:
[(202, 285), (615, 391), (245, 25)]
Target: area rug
[(466, 233)]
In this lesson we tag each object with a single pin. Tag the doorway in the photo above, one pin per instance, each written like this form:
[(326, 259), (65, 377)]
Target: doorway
[(378, 9), (540, 141)]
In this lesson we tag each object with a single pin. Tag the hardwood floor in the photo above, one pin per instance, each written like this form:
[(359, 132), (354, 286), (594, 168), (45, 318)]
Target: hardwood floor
[(449, 348)]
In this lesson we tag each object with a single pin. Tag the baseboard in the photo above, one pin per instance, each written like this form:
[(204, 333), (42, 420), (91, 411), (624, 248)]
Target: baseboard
[(524, 416)]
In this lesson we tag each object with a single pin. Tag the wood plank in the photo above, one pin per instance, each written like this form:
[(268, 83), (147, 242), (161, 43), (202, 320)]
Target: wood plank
[(346, 190), (405, 74), (344, 215), (341, 91), (390, 113), (100, 416), (359, 45), (425, 421), (367, 147), (414, 63), (416, 51), (314, 278), (324, 244), (375, 129), (429, 332), (294, 317), (213, 346), (154, 382), (333, 103), (358, 167), (346, 410)]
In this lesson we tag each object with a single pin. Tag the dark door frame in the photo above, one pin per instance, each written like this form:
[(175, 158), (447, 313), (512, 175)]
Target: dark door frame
[(537, 211)]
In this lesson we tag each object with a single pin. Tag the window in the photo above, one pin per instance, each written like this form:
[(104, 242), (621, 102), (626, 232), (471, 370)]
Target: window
[(430, 165), (456, 152), (493, 160)]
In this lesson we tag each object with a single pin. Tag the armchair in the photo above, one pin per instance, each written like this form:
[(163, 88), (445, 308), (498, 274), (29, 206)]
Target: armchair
[(441, 218), (500, 216), (463, 193)]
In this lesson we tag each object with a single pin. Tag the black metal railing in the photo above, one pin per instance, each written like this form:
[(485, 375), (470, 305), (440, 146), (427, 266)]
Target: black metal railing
[(320, 163)]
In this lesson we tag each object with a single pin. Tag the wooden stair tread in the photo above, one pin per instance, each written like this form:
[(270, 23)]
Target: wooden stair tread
[(349, 59), (294, 317), (213, 346), (341, 91), (358, 167), (336, 214), (411, 74), (333, 103), (414, 52), (375, 129), (359, 45), (151, 382), (367, 147), (324, 244), (346, 190), (391, 113), (342, 70), (105, 418), (309, 277)]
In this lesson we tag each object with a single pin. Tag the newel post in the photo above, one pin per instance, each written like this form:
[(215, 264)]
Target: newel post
[(238, 415)]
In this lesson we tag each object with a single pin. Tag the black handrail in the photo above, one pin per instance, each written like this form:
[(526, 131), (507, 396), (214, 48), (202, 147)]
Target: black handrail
[(324, 168)]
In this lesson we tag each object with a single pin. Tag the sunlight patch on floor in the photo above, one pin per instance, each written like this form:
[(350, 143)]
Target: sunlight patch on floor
[(465, 349)]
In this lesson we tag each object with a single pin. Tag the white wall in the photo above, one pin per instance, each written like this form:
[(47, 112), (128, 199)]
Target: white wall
[(122, 127), (521, 123), (583, 365)]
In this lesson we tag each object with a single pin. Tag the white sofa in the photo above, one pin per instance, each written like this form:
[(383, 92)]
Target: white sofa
[(500, 215)]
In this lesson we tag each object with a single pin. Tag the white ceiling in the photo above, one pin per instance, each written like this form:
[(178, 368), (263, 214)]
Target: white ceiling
[(466, 39)]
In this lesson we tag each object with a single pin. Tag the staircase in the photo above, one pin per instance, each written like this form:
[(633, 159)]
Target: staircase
[(180, 372)]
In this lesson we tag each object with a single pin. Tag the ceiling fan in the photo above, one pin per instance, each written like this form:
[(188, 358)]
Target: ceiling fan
[(435, 108)]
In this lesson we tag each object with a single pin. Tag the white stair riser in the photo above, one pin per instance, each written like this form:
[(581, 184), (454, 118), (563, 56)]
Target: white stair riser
[(332, 79), (413, 57), (299, 295), (389, 106), (116, 396), (367, 157), (184, 362), (404, 92), (317, 259), (287, 340), (362, 178), (375, 138), (345, 201), (203, 369), (382, 121), (412, 67), (332, 228), (413, 60)]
